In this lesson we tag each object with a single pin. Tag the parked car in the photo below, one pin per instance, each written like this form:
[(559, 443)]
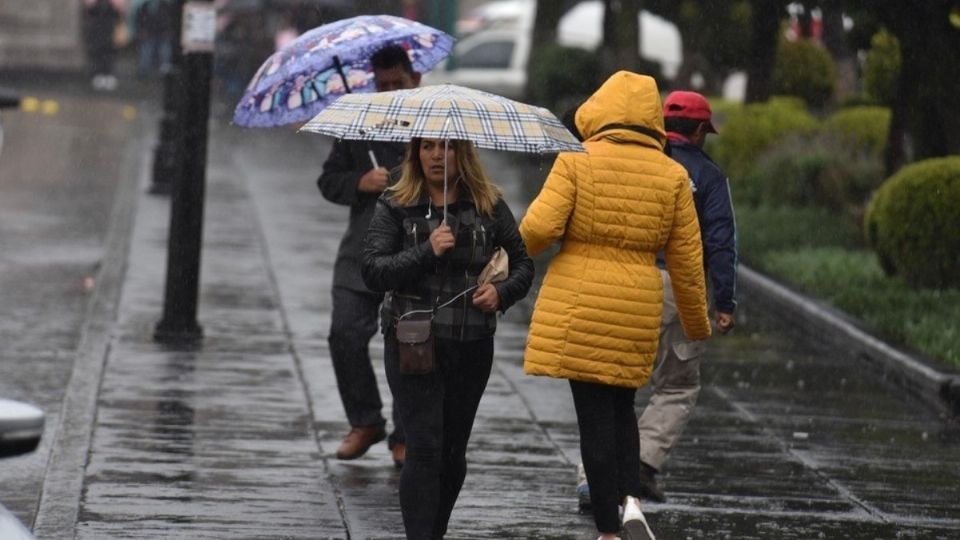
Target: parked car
[(21, 426), (492, 60), (494, 56), (496, 13)]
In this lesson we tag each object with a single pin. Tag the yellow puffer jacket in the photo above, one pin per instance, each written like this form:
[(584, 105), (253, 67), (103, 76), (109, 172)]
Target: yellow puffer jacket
[(597, 316)]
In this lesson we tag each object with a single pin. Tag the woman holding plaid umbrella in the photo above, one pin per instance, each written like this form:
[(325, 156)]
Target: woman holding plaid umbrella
[(430, 266)]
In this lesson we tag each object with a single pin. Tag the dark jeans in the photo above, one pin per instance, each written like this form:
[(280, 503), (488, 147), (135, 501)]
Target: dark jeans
[(437, 411), (152, 54), (609, 446), (355, 321)]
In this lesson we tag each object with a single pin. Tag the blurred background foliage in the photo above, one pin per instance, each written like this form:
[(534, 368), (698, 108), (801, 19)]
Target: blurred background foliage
[(840, 96)]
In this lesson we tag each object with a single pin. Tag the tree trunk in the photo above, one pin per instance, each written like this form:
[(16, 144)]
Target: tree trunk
[(628, 36), (895, 154), (927, 102), (835, 40), (441, 14), (763, 46), (694, 62), (545, 23), (621, 32)]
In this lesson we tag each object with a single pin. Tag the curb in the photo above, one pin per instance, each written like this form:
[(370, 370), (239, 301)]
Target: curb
[(937, 389), (63, 479)]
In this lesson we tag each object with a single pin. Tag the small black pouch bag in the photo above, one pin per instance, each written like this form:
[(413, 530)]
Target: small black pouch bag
[(415, 343)]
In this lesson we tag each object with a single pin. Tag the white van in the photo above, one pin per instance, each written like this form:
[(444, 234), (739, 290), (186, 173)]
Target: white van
[(494, 58)]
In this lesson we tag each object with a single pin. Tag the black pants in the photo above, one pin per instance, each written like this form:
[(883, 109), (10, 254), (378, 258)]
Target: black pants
[(437, 411), (355, 321), (609, 446)]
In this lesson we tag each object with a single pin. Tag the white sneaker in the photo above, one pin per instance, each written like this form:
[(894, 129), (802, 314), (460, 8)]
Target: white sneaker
[(635, 526), (583, 491)]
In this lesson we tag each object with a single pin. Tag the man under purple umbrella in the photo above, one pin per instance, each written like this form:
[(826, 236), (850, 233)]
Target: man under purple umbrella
[(354, 175)]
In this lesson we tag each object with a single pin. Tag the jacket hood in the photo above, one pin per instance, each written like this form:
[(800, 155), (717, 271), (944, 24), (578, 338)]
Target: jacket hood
[(626, 108)]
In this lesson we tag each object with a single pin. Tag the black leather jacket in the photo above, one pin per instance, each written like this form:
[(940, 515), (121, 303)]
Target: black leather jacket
[(397, 258)]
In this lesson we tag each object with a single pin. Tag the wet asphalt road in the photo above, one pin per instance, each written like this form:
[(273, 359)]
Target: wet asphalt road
[(62, 158), (234, 440)]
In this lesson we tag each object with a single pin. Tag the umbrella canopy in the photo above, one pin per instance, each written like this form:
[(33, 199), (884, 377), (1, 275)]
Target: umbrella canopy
[(445, 112), (303, 77)]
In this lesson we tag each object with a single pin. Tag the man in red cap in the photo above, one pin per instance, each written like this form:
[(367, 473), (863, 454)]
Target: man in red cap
[(676, 373)]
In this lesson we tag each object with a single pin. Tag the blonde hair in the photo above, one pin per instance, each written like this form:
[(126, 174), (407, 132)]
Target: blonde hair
[(411, 184)]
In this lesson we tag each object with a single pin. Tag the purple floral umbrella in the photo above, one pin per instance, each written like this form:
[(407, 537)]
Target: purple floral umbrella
[(309, 73)]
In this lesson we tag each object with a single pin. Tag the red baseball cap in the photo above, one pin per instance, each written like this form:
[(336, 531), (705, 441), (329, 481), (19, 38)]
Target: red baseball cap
[(685, 104)]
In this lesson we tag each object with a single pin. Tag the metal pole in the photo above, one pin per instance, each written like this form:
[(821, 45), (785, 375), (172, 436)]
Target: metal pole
[(179, 323), (168, 154)]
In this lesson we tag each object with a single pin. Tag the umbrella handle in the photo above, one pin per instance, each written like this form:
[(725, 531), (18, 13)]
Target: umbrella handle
[(446, 142), (343, 76)]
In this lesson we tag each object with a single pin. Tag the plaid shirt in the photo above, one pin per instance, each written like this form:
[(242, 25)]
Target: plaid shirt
[(398, 258)]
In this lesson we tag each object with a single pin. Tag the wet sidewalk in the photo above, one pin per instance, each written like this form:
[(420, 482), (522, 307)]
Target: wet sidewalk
[(236, 438)]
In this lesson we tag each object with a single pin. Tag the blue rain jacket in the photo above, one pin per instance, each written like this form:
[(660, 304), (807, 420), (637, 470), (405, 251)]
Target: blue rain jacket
[(718, 229)]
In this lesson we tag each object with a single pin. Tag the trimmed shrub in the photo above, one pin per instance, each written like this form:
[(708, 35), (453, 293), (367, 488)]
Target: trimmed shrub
[(722, 109), (561, 76), (812, 171), (914, 226), (784, 176), (804, 69), (863, 128), (751, 129), (848, 176), (881, 69)]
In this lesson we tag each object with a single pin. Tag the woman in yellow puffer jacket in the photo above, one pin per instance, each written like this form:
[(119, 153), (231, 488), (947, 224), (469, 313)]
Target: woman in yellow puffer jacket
[(597, 316)]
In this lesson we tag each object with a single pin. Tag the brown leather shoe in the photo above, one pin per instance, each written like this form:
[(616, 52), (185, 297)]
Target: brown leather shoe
[(359, 440), (399, 452)]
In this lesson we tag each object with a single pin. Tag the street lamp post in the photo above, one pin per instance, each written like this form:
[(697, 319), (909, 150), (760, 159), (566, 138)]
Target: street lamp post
[(179, 323), (168, 154)]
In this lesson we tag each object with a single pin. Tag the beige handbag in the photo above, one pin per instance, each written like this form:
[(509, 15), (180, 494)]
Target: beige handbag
[(497, 269)]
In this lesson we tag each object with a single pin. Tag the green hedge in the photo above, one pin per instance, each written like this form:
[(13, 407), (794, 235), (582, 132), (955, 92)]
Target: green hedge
[(751, 129), (861, 127), (913, 223), (881, 69), (785, 175), (804, 69), (836, 166)]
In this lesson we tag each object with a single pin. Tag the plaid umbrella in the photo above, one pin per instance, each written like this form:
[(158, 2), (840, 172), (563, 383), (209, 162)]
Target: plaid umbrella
[(306, 75), (445, 112)]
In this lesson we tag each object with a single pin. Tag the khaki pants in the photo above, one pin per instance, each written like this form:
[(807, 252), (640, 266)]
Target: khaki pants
[(676, 385)]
